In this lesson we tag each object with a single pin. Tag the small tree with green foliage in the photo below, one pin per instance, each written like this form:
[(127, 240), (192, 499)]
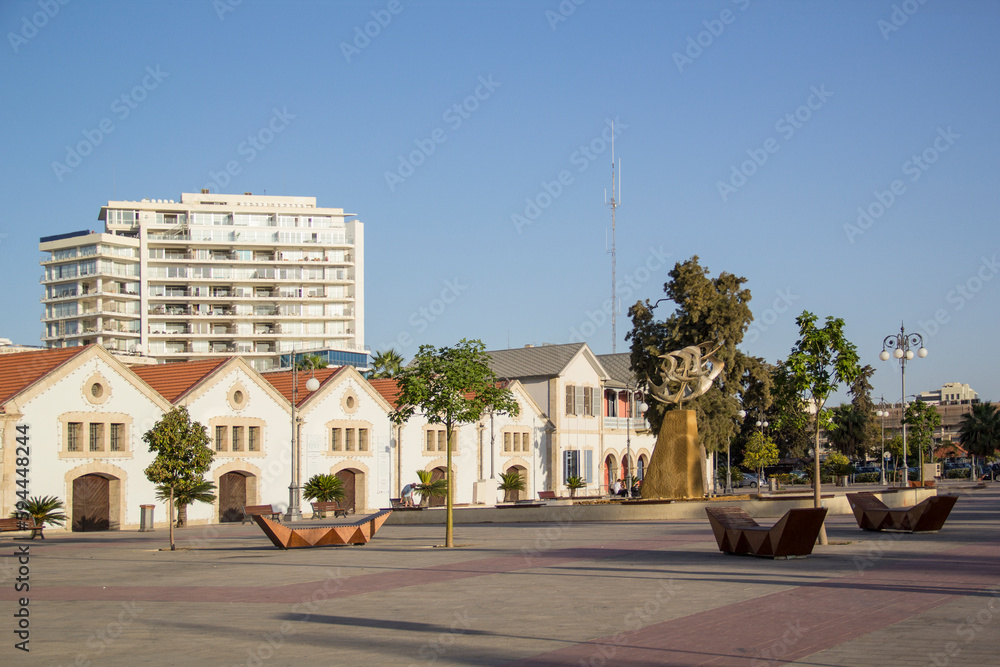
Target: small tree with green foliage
[(41, 510), (451, 386), (574, 482), (759, 453), (428, 487), (979, 431), (511, 483), (386, 364), (182, 454), (922, 418), (324, 488), (821, 359), (187, 493)]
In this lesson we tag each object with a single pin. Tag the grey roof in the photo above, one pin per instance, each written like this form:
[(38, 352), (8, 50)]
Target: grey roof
[(543, 361), (618, 367)]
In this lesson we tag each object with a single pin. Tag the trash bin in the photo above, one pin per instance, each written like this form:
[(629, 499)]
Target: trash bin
[(774, 483), (146, 518)]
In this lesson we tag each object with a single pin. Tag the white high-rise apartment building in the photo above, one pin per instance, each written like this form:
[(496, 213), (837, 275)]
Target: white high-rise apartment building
[(213, 275)]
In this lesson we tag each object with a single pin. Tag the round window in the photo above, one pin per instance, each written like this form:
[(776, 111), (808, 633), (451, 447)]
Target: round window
[(97, 390), (238, 397), (350, 402)]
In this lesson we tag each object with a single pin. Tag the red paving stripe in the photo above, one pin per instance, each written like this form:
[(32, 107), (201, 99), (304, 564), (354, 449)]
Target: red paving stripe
[(795, 623), (337, 587)]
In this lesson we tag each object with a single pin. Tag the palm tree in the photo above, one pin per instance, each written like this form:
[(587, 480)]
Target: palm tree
[(42, 511), (324, 488), (386, 364), (428, 487), (186, 493), (310, 362), (979, 431), (511, 483)]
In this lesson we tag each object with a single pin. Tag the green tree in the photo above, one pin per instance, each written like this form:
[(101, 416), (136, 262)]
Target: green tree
[(310, 362), (574, 482), (187, 492), (760, 452), (428, 487), (921, 419), (979, 431), (821, 359), (511, 483), (182, 454), (709, 310), (451, 386), (837, 465), (386, 364), (849, 430), (324, 488), (861, 400)]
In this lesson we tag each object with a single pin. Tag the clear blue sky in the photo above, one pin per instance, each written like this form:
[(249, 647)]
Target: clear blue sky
[(833, 99)]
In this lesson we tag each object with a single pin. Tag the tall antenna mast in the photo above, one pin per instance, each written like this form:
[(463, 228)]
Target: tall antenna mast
[(614, 258)]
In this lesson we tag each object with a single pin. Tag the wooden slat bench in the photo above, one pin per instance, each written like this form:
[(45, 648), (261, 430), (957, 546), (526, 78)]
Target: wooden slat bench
[(292, 536), (250, 511), (321, 507), (17, 524), (546, 495), (793, 536), (925, 517)]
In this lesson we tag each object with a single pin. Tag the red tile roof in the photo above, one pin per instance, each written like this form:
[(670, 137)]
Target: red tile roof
[(20, 370), (173, 380), (282, 381), (388, 388)]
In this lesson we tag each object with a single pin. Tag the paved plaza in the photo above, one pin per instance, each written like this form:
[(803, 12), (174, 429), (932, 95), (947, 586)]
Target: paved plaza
[(567, 593)]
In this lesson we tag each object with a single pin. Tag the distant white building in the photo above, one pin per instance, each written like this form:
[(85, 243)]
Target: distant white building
[(949, 393), (213, 275)]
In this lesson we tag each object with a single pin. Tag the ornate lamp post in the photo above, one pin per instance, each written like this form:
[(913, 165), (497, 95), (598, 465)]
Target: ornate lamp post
[(294, 512), (882, 413), (640, 408), (899, 345), (729, 465)]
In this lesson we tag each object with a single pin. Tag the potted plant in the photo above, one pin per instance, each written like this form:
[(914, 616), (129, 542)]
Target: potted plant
[(428, 489), (511, 483), (45, 510), (324, 488), (573, 483), (186, 493)]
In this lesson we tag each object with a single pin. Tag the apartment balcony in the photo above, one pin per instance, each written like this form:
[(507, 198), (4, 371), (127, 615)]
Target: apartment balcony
[(623, 423)]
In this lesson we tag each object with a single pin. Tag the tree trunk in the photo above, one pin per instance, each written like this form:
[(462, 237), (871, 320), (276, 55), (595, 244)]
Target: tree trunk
[(182, 515), (450, 493), (173, 547), (817, 499)]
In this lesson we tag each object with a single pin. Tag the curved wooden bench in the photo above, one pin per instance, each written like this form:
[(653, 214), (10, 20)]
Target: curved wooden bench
[(925, 517), (793, 536), (286, 536)]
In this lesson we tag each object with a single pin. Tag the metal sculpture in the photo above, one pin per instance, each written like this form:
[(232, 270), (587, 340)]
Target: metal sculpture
[(687, 374)]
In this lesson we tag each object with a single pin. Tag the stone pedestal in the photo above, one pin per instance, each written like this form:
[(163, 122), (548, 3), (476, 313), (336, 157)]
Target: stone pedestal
[(677, 467)]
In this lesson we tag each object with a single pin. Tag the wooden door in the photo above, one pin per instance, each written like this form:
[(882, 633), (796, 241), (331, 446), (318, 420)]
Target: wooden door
[(347, 477), (436, 501), (91, 503), (232, 496)]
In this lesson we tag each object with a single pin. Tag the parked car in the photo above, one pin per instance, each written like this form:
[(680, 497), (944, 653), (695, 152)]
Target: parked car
[(747, 479)]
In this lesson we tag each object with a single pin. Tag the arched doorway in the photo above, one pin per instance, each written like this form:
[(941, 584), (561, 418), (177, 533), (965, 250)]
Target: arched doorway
[(232, 495), (349, 478), (610, 470), (91, 503), (437, 501)]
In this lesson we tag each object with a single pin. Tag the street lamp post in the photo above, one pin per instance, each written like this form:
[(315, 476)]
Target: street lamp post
[(294, 512), (900, 345), (729, 464), (882, 413)]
